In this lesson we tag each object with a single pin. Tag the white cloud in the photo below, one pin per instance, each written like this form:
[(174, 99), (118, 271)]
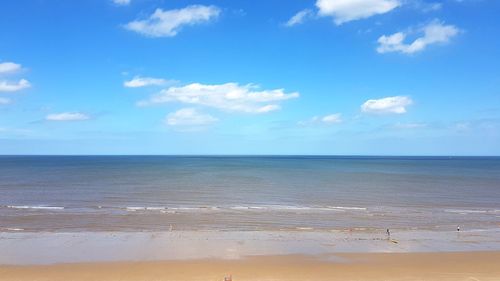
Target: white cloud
[(299, 17), (327, 119), (227, 97), (121, 2), (189, 117), (9, 67), (348, 10), (168, 23), (4, 101), (395, 104), (434, 32), (6, 86), (67, 116), (137, 82)]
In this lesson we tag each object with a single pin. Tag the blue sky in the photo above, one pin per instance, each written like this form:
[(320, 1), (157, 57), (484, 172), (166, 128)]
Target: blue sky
[(373, 77)]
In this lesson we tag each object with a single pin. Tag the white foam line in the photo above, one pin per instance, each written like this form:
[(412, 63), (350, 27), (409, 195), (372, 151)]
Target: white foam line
[(14, 229), (466, 211), (135, 208), (146, 208), (347, 208), (277, 208), (37, 207)]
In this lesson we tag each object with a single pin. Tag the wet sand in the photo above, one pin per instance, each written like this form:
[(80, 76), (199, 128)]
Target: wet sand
[(469, 266), (25, 248)]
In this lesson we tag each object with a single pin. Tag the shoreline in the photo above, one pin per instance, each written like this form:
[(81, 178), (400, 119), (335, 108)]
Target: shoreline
[(355, 266), (25, 248), (242, 217)]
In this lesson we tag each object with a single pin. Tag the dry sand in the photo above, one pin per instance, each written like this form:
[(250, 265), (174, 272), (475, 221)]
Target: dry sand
[(469, 266)]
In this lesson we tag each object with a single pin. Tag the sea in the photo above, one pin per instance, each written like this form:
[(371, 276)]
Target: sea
[(247, 193)]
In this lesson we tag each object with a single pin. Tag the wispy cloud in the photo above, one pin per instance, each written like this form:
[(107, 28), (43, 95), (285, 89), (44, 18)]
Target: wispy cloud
[(332, 118), (67, 116), (228, 97), (484, 125), (122, 2), (299, 17), (428, 7), (15, 132), (168, 23), (329, 119), (7, 86), (4, 101), (396, 104), (410, 125), (343, 11), (189, 117), (433, 33), (138, 81), (9, 67)]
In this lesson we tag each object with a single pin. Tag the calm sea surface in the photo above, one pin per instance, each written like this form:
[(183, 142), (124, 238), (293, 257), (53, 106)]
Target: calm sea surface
[(134, 193)]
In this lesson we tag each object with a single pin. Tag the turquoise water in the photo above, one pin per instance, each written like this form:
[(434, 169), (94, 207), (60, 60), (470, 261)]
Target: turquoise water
[(131, 193)]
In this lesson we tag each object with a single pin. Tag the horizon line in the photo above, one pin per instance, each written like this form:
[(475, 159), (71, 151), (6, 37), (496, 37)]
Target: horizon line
[(260, 155)]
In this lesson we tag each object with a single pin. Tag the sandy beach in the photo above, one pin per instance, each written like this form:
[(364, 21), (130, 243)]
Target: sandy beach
[(300, 255), (470, 266)]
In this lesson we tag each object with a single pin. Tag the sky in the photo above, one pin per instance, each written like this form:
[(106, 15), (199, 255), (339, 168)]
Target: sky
[(321, 77)]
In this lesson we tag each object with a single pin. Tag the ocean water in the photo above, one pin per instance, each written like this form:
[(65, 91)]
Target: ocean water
[(156, 193)]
